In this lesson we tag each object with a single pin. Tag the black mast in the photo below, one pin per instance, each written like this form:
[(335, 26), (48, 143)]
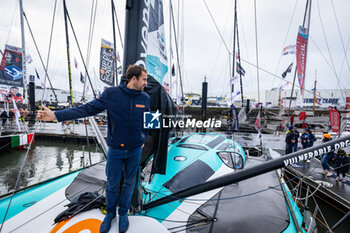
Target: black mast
[(68, 52), (136, 30)]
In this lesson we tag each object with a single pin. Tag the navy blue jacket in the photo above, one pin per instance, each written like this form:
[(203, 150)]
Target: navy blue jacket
[(125, 108)]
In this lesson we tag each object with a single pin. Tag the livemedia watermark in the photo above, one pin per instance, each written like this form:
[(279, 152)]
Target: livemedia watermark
[(156, 120)]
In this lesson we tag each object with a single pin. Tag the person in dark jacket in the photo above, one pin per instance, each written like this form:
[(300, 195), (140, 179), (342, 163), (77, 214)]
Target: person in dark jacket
[(289, 140), (4, 117), (295, 137), (341, 164), (307, 139), (125, 105), (325, 158)]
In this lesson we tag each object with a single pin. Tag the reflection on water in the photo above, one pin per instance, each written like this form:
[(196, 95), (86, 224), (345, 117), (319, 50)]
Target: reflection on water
[(45, 160)]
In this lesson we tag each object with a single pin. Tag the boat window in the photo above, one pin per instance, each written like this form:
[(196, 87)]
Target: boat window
[(184, 139), (231, 159), (215, 142), (237, 160), (192, 146), (223, 146), (198, 172), (146, 171), (174, 140)]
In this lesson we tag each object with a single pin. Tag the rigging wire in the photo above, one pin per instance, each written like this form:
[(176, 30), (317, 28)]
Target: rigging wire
[(216, 26), (21, 167), (41, 60), (218, 50), (256, 51), (120, 34), (48, 56), (14, 16), (342, 66), (284, 43), (272, 74), (246, 83), (177, 51), (340, 35), (329, 52), (90, 37), (81, 55), (324, 58)]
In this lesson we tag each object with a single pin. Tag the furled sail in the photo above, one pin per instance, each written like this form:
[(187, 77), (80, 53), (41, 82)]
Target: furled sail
[(157, 59)]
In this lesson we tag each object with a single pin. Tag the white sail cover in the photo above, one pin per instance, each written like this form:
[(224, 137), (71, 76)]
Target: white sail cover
[(157, 60)]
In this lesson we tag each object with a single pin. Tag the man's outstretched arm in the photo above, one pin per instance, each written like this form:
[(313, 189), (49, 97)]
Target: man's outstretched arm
[(89, 109)]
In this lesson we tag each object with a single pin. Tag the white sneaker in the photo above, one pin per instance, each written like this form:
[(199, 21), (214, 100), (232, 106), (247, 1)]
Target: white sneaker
[(329, 174)]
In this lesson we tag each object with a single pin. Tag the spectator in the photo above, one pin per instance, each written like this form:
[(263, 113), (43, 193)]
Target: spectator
[(295, 138), (325, 158), (4, 117), (307, 139), (289, 140), (341, 164), (292, 120)]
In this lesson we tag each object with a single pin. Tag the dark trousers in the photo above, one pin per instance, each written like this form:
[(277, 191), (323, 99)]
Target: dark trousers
[(289, 148), (117, 162)]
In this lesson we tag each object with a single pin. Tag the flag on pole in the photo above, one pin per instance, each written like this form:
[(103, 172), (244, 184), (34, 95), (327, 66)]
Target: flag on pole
[(82, 78), (118, 56), (75, 63), (166, 86), (257, 124), (173, 70), (289, 49), (37, 76), (29, 59), (239, 69), (318, 101), (288, 70), (283, 86)]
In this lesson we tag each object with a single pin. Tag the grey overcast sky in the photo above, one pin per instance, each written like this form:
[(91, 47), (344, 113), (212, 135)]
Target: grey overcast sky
[(201, 47)]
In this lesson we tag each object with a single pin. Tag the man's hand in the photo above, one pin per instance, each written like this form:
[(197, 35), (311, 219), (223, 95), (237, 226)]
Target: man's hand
[(45, 114)]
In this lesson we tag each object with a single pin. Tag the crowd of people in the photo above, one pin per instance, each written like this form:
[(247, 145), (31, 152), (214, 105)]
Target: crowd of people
[(340, 159)]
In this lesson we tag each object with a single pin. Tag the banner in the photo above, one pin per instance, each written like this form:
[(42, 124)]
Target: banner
[(231, 98), (157, 60), (106, 62), (334, 118), (301, 56), (11, 67)]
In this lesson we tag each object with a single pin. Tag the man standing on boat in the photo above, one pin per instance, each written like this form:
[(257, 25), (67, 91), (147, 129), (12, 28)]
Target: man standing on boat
[(125, 105)]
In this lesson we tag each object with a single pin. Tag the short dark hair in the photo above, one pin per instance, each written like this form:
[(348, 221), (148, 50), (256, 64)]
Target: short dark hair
[(341, 152), (134, 70)]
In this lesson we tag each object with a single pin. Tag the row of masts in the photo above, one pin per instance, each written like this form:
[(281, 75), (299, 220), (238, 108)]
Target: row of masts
[(24, 69)]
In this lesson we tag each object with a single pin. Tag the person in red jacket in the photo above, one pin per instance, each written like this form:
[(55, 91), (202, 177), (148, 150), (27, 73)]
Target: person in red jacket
[(292, 120)]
